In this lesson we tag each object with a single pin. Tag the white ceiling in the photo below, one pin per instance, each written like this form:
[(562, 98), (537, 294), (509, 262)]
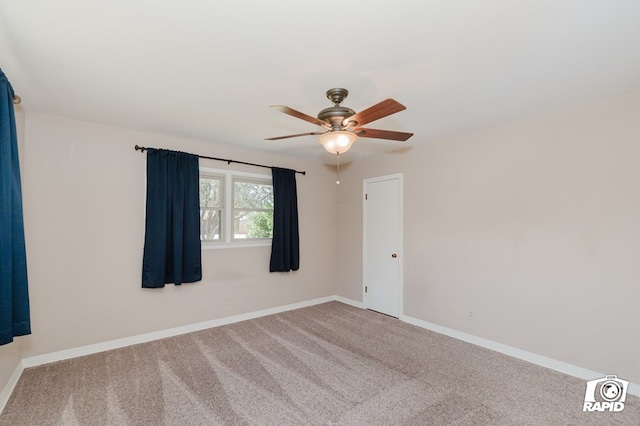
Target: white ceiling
[(210, 69)]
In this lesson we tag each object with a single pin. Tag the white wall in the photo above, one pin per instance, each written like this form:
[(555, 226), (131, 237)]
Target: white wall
[(84, 196), (533, 226)]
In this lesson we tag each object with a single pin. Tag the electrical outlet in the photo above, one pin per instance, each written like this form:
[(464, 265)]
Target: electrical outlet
[(470, 316), (454, 311), (227, 302)]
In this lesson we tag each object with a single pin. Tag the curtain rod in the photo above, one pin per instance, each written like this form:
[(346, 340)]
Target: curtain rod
[(142, 149)]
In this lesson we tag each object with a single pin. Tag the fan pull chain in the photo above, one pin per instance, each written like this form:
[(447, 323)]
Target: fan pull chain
[(338, 169)]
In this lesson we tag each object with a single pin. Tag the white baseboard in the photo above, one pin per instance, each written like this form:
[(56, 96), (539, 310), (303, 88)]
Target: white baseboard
[(634, 389), (8, 389), (543, 361), (349, 302), (147, 337), (162, 334)]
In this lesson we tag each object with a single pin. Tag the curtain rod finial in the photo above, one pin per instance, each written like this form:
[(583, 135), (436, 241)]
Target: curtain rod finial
[(139, 148)]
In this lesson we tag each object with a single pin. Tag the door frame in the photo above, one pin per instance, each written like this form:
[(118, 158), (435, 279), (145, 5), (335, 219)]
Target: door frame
[(365, 182)]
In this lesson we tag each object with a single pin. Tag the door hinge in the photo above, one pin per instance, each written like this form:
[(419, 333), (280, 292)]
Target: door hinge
[(366, 196), (365, 288)]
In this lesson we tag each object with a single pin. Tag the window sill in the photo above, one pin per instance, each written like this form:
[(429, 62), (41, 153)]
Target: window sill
[(213, 246)]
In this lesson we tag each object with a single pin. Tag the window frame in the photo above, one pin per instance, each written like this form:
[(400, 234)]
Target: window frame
[(234, 210), (223, 199), (227, 240)]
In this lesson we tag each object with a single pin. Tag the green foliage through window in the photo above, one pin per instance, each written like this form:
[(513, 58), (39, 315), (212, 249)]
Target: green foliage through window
[(235, 207), (253, 209)]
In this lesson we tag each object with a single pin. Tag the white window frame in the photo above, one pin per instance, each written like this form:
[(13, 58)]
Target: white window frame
[(222, 178), (226, 240)]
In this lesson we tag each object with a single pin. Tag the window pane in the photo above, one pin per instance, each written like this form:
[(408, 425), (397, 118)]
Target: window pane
[(252, 224), (235, 208), (210, 224), (252, 195), (210, 192)]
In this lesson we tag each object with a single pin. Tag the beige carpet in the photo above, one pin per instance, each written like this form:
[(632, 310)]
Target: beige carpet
[(330, 364)]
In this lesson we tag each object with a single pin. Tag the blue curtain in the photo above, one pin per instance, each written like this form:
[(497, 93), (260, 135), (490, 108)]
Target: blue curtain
[(285, 247), (172, 229), (14, 294)]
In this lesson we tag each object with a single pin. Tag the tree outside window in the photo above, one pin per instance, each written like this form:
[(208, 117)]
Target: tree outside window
[(235, 208), (252, 209)]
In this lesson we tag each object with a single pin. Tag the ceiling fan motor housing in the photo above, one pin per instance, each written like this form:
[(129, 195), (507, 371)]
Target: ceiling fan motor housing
[(336, 114)]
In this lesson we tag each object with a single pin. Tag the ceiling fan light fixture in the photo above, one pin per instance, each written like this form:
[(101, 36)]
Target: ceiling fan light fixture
[(337, 142)]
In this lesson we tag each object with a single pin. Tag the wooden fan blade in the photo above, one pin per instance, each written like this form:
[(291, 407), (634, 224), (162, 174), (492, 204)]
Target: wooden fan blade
[(376, 112), (300, 115), (382, 134), (294, 136)]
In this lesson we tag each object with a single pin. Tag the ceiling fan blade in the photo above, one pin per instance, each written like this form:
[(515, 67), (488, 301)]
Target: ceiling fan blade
[(382, 134), (294, 136), (376, 112), (300, 115)]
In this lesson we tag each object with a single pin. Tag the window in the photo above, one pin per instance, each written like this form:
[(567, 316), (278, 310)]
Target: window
[(252, 209), (211, 196), (235, 208)]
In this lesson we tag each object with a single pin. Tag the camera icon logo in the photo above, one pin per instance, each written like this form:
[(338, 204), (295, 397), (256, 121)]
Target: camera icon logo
[(605, 394)]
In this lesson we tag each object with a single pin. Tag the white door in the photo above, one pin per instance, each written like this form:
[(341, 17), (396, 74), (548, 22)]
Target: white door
[(382, 216)]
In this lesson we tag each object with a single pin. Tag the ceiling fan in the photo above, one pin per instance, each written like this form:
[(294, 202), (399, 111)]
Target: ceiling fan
[(343, 125)]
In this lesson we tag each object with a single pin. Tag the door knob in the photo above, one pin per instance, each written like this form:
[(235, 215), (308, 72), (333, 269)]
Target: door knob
[(394, 255)]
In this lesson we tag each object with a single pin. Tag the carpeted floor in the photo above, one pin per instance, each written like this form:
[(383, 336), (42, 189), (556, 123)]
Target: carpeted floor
[(330, 364)]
